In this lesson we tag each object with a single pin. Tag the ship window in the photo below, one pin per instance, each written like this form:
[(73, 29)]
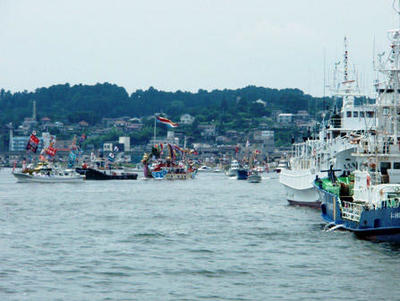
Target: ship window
[(396, 165), (370, 114), (384, 167), (348, 114), (362, 114), (355, 114)]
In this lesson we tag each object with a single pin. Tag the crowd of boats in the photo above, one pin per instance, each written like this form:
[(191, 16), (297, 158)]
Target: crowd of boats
[(351, 169)]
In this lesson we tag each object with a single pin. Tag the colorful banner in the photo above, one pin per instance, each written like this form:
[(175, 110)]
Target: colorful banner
[(51, 151), (33, 143), (111, 157), (167, 121)]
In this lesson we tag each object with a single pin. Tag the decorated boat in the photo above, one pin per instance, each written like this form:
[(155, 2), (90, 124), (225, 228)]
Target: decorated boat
[(169, 168), (45, 171)]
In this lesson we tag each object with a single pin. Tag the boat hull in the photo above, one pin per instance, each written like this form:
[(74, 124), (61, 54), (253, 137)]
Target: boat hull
[(232, 173), (381, 224), (316, 204), (242, 174), (27, 178), (93, 174), (299, 188), (254, 179)]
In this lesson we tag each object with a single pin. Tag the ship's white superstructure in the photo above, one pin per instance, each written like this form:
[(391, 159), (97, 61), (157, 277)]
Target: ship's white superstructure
[(333, 146)]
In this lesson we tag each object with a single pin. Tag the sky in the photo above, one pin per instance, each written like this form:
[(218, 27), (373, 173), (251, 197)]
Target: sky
[(189, 45)]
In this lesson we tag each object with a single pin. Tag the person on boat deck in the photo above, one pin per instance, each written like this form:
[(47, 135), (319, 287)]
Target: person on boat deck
[(331, 174), (84, 165)]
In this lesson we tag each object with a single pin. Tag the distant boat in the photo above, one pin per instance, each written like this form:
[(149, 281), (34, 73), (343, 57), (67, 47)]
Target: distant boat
[(48, 174), (254, 177), (98, 174), (282, 164), (242, 174), (233, 170), (205, 168)]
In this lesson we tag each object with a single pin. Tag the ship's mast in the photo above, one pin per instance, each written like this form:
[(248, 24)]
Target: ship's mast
[(396, 54), (388, 101)]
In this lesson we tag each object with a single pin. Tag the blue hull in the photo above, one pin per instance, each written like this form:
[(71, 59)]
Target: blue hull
[(378, 224), (242, 174)]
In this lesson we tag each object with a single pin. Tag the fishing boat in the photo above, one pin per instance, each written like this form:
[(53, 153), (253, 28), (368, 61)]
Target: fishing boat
[(45, 173), (242, 173), (106, 174), (334, 144), (367, 201), (361, 203), (254, 177), (100, 171), (233, 169)]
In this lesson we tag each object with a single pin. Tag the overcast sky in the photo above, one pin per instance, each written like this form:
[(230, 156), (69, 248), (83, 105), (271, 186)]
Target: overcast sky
[(187, 44)]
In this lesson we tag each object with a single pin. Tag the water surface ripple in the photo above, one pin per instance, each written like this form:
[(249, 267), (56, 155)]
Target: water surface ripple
[(208, 239)]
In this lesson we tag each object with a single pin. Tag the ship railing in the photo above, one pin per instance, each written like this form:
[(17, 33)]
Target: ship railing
[(351, 211)]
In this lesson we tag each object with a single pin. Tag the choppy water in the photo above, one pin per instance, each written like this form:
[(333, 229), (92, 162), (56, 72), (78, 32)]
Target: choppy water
[(208, 239)]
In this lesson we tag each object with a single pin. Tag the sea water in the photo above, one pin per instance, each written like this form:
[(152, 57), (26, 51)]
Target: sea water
[(211, 238)]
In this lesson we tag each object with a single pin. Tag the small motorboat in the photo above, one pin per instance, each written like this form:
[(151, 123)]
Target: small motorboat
[(254, 177)]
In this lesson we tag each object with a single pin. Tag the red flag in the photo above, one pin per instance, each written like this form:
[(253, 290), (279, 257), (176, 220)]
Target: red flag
[(33, 143), (51, 151)]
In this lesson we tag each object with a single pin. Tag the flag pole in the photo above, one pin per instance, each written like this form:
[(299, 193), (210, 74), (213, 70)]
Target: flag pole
[(155, 129)]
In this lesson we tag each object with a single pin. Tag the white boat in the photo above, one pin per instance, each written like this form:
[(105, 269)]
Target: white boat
[(282, 164), (232, 171), (205, 168), (254, 177), (367, 201), (333, 146), (49, 176)]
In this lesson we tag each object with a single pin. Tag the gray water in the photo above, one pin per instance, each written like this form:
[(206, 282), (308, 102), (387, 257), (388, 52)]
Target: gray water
[(208, 239)]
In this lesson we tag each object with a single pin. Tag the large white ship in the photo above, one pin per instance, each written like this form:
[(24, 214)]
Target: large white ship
[(334, 144)]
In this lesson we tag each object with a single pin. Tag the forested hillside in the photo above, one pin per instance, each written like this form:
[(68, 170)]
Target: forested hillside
[(93, 102)]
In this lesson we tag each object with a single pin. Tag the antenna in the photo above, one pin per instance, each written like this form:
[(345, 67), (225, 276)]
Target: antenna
[(346, 61), (373, 55), (324, 70)]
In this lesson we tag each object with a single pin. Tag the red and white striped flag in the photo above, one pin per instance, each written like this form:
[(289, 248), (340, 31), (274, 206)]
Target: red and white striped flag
[(167, 121)]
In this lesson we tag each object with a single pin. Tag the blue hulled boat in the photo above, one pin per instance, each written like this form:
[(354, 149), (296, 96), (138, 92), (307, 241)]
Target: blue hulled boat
[(352, 203), (242, 174), (367, 201)]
